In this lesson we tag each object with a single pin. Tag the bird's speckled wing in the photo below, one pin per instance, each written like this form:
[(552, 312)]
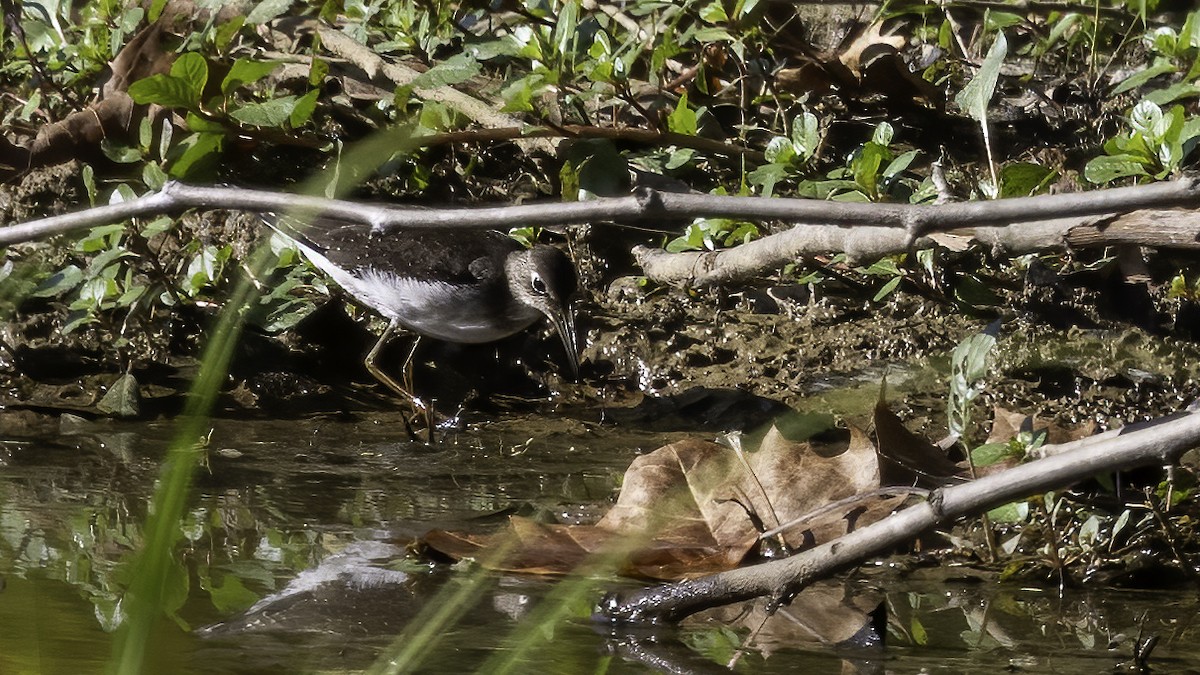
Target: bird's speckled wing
[(450, 256)]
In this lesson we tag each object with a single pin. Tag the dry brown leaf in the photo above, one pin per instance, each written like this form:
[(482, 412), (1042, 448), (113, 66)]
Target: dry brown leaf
[(905, 458), (865, 44), (694, 507)]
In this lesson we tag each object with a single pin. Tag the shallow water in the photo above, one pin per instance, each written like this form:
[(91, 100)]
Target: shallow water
[(304, 523)]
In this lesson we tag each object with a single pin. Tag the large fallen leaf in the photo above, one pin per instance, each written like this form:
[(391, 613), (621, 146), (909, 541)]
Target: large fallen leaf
[(695, 507)]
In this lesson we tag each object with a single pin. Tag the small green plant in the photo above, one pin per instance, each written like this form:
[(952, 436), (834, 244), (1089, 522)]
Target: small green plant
[(872, 173), (211, 120), (1174, 52), (787, 155), (713, 233), (1155, 146), (968, 366)]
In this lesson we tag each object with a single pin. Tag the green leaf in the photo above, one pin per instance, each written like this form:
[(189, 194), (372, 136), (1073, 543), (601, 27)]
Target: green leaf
[(246, 71), (900, 164), (1144, 76), (122, 398), (971, 355), (883, 134), (866, 167), (265, 11), (679, 157), (165, 90), (1173, 93), (714, 12), (766, 176), (454, 70), (1106, 168), (58, 283), (1015, 512), (199, 156), (806, 135), (192, 69), (1022, 179), (272, 113), (232, 595), (682, 120), (887, 288), (974, 97), (119, 152), (199, 124), (566, 27), (993, 453), (779, 150), (153, 176), (227, 31), (303, 110)]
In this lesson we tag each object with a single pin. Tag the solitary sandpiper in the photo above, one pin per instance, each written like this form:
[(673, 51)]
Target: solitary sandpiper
[(463, 286)]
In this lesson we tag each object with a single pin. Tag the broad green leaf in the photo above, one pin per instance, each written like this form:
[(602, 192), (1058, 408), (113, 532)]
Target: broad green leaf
[(682, 120), (1022, 179), (766, 176), (883, 134), (806, 135), (265, 11), (866, 167), (454, 70), (231, 595), (898, 165), (971, 355), (1106, 168), (227, 31), (779, 150), (246, 71), (714, 12), (197, 123), (974, 97), (303, 110), (1016, 512), (887, 288), (58, 283), (272, 113), (165, 90), (566, 26), (199, 156), (1147, 118), (1173, 93), (119, 152), (1142, 77), (192, 69), (992, 453)]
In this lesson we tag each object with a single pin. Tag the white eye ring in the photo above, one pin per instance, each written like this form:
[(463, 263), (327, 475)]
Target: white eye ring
[(539, 286)]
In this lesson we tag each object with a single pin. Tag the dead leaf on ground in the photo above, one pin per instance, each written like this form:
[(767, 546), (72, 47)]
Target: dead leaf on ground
[(906, 458), (694, 507)]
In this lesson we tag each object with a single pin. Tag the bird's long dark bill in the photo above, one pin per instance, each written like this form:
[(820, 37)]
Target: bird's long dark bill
[(564, 324)]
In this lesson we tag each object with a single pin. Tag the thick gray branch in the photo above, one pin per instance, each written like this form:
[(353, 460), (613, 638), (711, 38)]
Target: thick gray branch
[(1158, 442)]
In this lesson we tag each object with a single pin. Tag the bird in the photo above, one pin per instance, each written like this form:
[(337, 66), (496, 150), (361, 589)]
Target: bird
[(462, 286)]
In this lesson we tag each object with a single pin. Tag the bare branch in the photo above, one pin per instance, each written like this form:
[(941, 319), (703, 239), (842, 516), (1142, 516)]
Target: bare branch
[(1014, 225), (1160, 442)]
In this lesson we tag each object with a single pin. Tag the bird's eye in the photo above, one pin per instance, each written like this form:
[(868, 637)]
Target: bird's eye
[(539, 286)]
